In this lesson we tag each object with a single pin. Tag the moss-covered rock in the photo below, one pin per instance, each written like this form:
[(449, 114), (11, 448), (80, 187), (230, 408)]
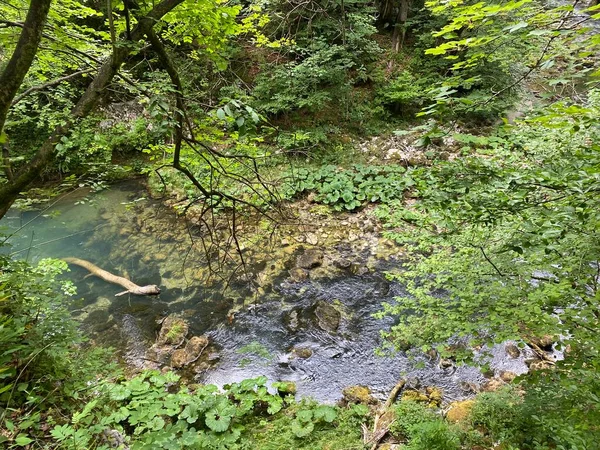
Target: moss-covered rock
[(298, 274), (173, 331), (302, 352), (358, 394), (434, 395), (414, 396), (459, 411)]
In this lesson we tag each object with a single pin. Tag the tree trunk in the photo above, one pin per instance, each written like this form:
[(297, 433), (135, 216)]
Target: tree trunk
[(22, 58), (399, 27), (89, 99)]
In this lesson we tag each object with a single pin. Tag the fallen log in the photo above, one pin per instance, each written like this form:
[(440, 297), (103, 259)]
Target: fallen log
[(383, 419), (131, 287)]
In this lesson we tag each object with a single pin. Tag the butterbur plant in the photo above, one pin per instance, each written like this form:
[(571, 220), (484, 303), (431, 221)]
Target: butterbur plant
[(153, 410), (349, 189), (306, 419)]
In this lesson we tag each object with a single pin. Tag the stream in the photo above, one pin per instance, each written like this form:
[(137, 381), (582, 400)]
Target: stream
[(128, 234)]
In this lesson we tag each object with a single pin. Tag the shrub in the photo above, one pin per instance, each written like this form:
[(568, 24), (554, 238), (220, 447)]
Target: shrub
[(410, 414), (497, 412), (44, 365), (434, 435)]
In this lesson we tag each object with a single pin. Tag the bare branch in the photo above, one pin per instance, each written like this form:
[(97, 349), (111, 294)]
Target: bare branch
[(41, 87)]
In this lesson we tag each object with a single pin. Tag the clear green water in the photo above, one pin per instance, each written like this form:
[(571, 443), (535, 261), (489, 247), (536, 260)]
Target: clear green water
[(122, 231)]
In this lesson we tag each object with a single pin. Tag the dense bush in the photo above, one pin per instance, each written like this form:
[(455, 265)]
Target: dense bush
[(45, 368)]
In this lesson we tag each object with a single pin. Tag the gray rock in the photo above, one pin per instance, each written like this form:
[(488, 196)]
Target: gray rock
[(190, 353), (312, 239), (328, 318), (297, 274), (445, 363), (512, 350), (292, 321), (310, 259), (342, 263)]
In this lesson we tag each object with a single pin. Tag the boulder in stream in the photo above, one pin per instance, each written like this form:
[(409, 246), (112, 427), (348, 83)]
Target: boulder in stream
[(493, 385), (297, 274), (292, 320), (328, 317), (507, 376), (190, 353), (173, 331), (302, 352), (311, 258)]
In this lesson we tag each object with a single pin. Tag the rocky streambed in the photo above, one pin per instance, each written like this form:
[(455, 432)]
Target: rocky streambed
[(301, 311)]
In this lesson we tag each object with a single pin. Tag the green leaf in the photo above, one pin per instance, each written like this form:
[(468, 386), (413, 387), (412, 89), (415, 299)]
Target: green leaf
[(302, 429), (22, 440), (516, 27), (325, 413), (218, 419), (62, 432)]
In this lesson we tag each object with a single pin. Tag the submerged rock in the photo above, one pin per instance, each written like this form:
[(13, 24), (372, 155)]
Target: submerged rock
[(310, 259), (412, 383), (328, 318), (173, 331), (297, 274), (190, 353), (302, 352), (469, 388), (445, 363), (292, 320)]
